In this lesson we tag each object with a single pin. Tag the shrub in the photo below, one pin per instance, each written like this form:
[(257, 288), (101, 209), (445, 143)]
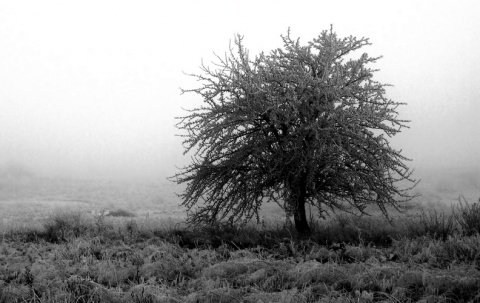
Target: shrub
[(468, 216), (131, 227), (61, 226), (121, 213)]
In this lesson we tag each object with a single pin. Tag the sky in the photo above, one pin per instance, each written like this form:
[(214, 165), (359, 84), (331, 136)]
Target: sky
[(91, 89)]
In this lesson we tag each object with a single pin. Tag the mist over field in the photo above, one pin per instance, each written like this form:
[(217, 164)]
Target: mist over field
[(90, 90)]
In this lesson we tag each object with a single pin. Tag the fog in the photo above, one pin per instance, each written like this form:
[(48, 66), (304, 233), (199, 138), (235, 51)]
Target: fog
[(90, 89)]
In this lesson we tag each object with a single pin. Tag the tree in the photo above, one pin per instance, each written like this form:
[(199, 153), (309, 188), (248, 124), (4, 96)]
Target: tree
[(302, 124)]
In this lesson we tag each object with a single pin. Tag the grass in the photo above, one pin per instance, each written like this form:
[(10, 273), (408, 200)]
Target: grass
[(468, 216), (430, 257)]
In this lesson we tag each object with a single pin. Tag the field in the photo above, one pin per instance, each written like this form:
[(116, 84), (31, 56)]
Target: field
[(99, 241)]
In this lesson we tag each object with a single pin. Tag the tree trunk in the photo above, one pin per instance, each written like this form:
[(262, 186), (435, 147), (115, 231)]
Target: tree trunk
[(300, 217)]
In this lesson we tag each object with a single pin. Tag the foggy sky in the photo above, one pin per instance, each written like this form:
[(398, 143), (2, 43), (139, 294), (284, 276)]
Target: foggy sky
[(91, 88)]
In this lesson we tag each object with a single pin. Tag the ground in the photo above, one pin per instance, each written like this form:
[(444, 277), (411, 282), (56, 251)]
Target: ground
[(60, 245)]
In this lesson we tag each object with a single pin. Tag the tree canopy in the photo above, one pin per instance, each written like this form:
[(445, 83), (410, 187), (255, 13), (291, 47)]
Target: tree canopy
[(302, 124)]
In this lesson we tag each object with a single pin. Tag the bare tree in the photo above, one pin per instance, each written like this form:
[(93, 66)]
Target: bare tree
[(302, 124)]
